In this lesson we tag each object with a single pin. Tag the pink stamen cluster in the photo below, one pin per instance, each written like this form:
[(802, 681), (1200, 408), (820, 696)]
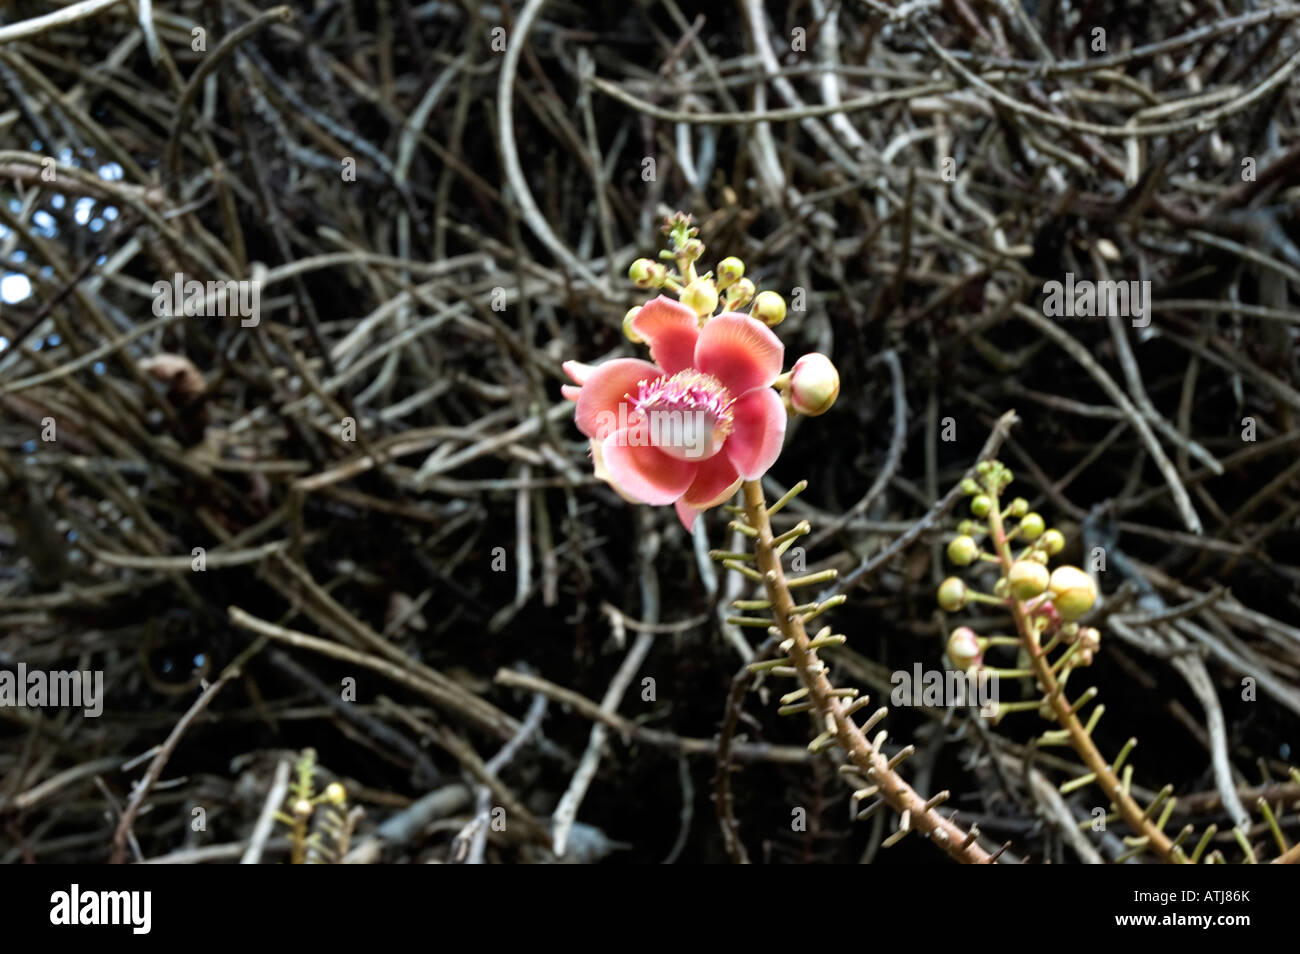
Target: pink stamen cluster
[(688, 390)]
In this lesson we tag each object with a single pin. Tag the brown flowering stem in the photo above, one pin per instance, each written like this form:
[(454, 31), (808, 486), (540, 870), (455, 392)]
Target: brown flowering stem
[(834, 709), (1066, 713)]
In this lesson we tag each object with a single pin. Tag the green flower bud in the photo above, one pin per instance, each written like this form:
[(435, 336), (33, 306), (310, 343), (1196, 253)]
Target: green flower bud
[(1000, 588), (980, 505), (1073, 591), (769, 308), (969, 487), (969, 527), (647, 274), (335, 793), (730, 271), (814, 384), (628, 333), (1031, 526), (952, 594), (1027, 579), (964, 648), (1053, 542), (701, 297), (963, 551), (1019, 507), (740, 294)]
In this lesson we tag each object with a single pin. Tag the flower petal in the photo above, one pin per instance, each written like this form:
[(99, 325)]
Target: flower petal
[(577, 371), (686, 514), (604, 390), (644, 472), (755, 440), (570, 391), (716, 481), (671, 330), (739, 351)]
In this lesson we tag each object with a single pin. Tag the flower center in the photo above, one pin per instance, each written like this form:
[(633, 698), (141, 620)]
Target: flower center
[(686, 415)]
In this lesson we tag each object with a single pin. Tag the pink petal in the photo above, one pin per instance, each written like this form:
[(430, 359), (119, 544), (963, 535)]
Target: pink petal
[(570, 392), (739, 351), (686, 514), (577, 371), (644, 472), (716, 481), (604, 390), (671, 330), (755, 440)]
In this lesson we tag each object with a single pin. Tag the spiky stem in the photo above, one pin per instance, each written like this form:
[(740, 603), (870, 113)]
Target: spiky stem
[(1080, 739), (869, 761)]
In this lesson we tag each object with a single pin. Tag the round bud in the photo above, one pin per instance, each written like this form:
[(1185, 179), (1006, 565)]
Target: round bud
[(1038, 556), (814, 384), (1019, 507), (769, 308), (693, 249), (1031, 526), (1027, 579), (628, 331), (730, 271), (740, 294), (969, 487), (1090, 638), (701, 297), (1000, 588), (980, 505), (964, 648), (1073, 591), (335, 793), (952, 594), (302, 808), (968, 527), (963, 551), (646, 273), (1053, 542)]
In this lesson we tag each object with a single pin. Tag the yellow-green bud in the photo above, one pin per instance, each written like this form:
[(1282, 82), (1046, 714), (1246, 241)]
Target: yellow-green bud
[(964, 648), (701, 297), (335, 793), (730, 271), (963, 551), (647, 274), (628, 331), (1027, 579), (1000, 588), (952, 594), (1031, 526), (1053, 542), (302, 808), (969, 487), (740, 294), (769, 308), (968, 527), (980, 505), (1019, 507), (1073, 591), (814, 384)]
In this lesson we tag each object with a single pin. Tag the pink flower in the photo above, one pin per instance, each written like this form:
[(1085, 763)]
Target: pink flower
[(688, 429)]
